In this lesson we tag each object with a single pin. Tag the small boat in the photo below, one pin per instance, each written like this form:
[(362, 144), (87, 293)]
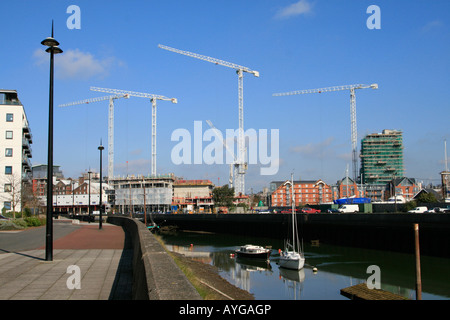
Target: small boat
[(292, 257), (254, 252)]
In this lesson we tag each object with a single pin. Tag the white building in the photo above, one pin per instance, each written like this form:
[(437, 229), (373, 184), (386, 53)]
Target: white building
[(139, 193), (15, 150)]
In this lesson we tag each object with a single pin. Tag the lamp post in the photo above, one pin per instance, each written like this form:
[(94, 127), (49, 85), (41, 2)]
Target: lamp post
[(89, 197), (53, 49), (101, 210)]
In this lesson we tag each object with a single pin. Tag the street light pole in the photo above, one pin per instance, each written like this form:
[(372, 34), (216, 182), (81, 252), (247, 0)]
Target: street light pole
[(53, 49), (101, 210), (89, 197)]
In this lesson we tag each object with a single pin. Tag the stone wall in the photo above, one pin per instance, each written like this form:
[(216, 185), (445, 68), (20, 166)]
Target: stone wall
[(155, 274)]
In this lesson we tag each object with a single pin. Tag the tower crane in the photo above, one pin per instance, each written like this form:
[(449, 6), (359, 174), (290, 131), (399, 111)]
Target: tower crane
[(153, 98), (354, 133), (241, 162), (235, 163), (111, 99)]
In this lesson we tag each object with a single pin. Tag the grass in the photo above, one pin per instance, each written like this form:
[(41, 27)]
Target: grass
[(205, 292)]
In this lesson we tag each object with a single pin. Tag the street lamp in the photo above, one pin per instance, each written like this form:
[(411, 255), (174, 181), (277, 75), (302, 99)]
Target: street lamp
[(53, 49), (101, 149), (89, 197)]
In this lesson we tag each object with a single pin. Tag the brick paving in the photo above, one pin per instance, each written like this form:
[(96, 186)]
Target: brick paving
[(103, 258)]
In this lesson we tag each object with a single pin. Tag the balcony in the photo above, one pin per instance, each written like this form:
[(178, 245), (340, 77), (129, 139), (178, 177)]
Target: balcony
[(9, 97)]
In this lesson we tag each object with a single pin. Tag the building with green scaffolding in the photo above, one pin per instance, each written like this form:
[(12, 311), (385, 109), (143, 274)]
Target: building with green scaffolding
[(382, 157)]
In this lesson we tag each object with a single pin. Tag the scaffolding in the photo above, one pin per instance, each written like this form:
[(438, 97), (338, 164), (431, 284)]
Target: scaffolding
[(382, 157), (143, 194)]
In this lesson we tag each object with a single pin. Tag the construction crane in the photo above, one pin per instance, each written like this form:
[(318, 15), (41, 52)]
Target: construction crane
[(110, 124), (241, 162), (235, 163), (354, 133), (153, 98)]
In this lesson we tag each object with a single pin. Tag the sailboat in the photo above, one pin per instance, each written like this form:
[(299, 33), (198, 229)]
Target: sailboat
[(292, 257)]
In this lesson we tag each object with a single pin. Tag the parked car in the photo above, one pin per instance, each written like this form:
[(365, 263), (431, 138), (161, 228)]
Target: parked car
[(3, 217), (333, 210), (310, 210), (435, 210), (418, 210)]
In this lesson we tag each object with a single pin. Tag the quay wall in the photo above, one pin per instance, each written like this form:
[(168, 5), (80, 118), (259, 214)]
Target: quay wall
[(381, 231), (155, 274)]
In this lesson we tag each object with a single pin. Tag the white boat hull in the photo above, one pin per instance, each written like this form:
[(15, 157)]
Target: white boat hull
[(292, 260)]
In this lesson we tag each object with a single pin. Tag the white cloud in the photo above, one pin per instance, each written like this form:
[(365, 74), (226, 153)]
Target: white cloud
[(295, 9), (319, 150), (436, 24), (76, 64)]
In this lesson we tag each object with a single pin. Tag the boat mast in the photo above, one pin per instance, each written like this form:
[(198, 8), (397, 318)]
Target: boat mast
[(293, 210)]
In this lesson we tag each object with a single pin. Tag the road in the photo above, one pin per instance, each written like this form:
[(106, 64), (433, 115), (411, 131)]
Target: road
[(33, 238)]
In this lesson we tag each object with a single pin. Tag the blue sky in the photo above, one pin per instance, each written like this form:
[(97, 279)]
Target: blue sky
[(294, 45)]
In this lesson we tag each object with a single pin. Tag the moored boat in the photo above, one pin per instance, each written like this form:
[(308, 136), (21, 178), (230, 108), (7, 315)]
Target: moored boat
[(253, 252), (292, 257)]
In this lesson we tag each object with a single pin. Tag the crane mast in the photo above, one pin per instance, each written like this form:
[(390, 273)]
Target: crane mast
[(153, 98), (354, 133), (241, 162), (111, 99), (230, 180)]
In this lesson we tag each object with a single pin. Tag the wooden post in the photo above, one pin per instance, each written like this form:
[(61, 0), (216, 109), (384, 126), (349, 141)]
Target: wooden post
[(418, 276)]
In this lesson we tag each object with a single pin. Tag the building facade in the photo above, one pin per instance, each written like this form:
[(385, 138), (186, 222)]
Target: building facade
[(143, 194), (15, 151), (402, 188), (193, 195), (382, 157), (308, 192)]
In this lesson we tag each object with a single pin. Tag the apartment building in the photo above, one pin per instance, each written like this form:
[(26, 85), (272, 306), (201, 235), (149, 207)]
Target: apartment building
[(308, 192), (382, 157), (139, 193), (193, 195), (15, 151)]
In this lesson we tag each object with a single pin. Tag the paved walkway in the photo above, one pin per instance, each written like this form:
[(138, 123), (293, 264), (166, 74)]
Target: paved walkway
[(102, 257)]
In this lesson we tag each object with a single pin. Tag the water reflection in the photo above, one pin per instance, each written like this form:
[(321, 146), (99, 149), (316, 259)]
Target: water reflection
[(338, 268), (293, 281)]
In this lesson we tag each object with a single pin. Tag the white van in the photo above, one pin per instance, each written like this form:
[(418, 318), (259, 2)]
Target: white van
[(418, 210), (349, 208)]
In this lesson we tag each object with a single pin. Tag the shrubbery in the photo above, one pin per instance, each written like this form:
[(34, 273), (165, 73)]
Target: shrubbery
[(19, 224)]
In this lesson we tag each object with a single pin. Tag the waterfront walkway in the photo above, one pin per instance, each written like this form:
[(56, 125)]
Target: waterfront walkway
[(103, 258)]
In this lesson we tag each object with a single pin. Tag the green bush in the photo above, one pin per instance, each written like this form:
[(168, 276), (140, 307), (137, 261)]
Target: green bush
[(19, 224), (33, 222), (12, 225)]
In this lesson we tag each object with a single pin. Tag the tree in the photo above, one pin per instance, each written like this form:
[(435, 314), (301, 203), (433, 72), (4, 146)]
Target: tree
[(426, 197), (223, 196)]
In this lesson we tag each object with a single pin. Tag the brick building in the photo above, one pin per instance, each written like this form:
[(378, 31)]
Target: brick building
[(308, 192)]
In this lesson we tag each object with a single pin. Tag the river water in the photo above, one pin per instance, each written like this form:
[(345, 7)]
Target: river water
[(338, 267)]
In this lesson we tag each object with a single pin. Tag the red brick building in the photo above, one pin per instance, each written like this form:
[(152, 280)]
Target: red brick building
[(309, 192)]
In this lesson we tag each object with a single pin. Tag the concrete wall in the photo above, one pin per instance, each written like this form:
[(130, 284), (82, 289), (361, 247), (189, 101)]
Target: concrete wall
[(381, 231), (155, 274)]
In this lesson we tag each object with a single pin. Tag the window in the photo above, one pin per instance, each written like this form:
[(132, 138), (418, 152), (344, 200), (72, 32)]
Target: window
[(7, 205), (8, 169), (8, 152), (7, 187), (9, 134), (9, 117)]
